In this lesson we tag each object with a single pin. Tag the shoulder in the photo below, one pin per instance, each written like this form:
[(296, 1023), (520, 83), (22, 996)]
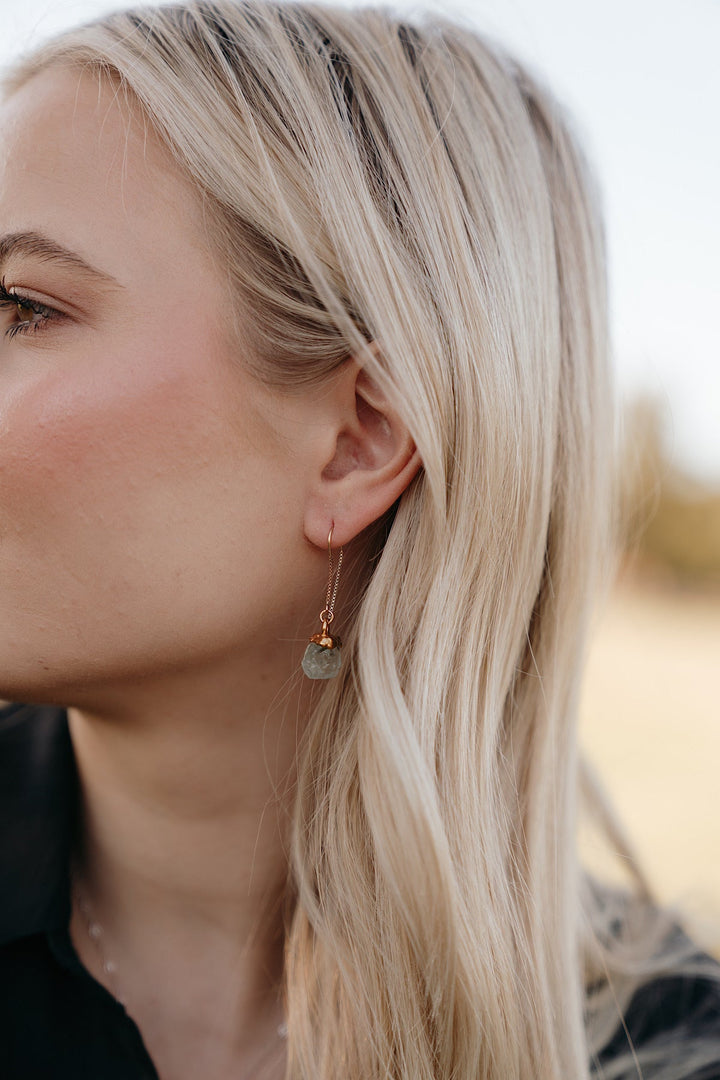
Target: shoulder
[(38, 796), (671, 1002), (673, 1021)]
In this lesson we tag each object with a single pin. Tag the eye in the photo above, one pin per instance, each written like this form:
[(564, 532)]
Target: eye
[(32, 316)]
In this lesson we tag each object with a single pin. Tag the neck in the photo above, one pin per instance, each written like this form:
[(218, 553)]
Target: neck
[(186, 796)]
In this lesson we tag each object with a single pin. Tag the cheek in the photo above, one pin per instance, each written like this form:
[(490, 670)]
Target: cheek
[(120, 481), (68, 446)]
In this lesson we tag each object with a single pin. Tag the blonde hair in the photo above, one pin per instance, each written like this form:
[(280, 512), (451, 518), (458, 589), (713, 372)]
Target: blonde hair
[(373, 180)]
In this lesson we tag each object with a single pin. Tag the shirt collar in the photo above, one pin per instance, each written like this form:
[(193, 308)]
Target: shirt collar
[(38, 810)]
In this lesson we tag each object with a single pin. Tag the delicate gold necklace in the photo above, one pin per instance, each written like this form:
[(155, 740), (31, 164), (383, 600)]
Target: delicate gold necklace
[(95, 933)]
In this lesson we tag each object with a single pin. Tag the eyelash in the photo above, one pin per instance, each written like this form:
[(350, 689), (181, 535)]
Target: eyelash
[(24, 303)]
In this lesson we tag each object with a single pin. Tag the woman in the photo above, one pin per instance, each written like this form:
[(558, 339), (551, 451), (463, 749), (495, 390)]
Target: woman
[(304, 312)]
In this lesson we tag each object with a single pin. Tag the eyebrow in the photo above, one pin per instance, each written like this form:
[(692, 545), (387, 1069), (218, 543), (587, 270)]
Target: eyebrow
[(41, 247)]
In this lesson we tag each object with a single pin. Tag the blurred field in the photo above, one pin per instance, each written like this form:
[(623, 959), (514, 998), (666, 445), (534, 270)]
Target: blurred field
[(650, 722), (650, 711)]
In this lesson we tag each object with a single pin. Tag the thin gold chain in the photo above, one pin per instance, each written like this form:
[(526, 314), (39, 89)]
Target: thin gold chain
[(332, 591), (330, 604)]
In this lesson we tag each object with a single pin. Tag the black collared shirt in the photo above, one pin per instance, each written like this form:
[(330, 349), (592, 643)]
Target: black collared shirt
[(57, 1022)]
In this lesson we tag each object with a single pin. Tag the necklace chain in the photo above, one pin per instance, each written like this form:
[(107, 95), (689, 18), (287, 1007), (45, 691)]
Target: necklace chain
[(96, 932)]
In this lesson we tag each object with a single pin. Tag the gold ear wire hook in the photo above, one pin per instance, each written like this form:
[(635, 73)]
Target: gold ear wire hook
[(322, 657)]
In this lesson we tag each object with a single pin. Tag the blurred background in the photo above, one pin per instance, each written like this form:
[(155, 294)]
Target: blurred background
[(642, 81)]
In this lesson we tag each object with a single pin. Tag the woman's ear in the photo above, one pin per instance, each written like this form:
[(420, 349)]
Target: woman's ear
[(374, 459)]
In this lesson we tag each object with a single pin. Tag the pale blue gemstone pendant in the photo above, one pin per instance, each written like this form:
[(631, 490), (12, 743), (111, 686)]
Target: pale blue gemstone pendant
[(322, 661)]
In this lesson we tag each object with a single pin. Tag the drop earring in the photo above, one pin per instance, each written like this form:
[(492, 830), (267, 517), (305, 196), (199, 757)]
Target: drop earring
[(322, 657)]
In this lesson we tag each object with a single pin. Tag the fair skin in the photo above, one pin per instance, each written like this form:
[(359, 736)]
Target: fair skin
[(163, 559)]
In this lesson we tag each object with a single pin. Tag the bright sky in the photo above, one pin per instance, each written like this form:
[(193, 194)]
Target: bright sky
[(643, 80)]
